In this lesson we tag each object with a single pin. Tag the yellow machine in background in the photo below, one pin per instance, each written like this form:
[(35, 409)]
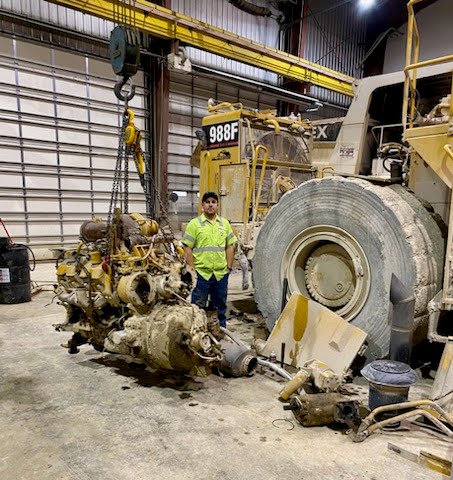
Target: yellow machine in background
[(432, 141), (376, 208), (251, 158)]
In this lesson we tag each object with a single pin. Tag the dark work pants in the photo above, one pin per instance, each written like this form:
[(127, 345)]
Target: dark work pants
[(218, 292)]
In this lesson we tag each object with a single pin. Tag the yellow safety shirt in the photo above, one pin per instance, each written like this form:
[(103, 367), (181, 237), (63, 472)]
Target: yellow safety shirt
[(209, 241)]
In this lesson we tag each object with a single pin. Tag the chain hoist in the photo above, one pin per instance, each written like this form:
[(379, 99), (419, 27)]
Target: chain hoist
[(124, 52), (124, 47)]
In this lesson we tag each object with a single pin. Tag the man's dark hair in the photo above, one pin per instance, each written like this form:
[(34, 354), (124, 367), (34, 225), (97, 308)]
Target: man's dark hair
[(210, 195)]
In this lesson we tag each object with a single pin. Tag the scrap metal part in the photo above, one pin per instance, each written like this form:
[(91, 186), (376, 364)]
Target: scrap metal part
[(425, 408), (323, 409), (322, 377), (124, 292)]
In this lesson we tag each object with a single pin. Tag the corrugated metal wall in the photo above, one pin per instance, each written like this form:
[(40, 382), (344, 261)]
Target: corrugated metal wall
[(189, 96), (66, 18), (334, 39), (222, 14), (59, 124)]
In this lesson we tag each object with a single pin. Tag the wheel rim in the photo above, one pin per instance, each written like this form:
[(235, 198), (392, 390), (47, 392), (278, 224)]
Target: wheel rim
[(328, 265)]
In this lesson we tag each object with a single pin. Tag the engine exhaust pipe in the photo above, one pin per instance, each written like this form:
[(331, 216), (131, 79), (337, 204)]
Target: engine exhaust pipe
[(403, 300), (238, 360)]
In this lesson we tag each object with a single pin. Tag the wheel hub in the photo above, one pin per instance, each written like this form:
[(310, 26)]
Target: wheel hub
[(329, 275), (327, 264)]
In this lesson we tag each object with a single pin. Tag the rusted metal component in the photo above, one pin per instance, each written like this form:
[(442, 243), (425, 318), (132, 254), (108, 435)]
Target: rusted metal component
[(172, 337), (323, 409), (93, 230)]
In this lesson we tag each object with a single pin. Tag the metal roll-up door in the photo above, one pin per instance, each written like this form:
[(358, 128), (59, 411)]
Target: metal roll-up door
[(189, 97), (58, 141)]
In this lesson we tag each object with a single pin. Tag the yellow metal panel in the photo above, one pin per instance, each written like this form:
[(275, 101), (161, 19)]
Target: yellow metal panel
[(429, 142), (232, 191), (219, 117), (311, 331), (164, 23)]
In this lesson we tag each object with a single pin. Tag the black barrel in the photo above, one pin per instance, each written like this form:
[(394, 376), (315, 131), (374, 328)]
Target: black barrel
[(15, 285)]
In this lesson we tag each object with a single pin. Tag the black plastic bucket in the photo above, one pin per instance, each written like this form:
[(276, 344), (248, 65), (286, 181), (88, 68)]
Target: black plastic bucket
[(15, 285)]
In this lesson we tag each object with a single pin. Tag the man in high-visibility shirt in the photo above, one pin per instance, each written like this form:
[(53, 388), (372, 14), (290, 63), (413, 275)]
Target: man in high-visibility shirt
[(209, 249)]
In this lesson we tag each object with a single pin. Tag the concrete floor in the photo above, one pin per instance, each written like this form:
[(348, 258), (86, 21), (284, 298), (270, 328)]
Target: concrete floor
[(90, 416)]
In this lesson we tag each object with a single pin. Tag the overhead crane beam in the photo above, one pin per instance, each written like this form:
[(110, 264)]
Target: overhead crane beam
[(167, 24)]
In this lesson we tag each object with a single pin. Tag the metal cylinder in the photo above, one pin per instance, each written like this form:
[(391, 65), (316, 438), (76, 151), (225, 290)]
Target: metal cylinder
[(294, 384), (238, 359), (92, 230), (403, 301), (389, 382), (15, 284)]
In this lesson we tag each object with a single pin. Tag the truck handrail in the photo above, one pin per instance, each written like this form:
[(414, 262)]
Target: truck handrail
[(412, 64)]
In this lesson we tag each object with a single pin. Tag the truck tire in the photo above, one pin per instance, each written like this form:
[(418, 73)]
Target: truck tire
[(338, 240)]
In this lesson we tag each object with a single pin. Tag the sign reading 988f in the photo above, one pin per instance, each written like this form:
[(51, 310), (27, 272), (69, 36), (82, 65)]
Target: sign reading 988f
[(221, 135)]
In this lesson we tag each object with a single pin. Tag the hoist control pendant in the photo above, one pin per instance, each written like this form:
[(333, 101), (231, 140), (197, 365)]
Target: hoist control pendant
[(124, 50)]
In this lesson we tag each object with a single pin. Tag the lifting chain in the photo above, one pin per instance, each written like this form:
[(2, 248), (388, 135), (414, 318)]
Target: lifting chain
[(121, 159), (129, 145)]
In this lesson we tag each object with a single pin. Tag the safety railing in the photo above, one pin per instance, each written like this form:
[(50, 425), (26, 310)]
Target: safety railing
[(412, 64)]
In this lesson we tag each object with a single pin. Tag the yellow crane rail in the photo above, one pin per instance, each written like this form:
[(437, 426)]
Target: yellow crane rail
[(167, 24)]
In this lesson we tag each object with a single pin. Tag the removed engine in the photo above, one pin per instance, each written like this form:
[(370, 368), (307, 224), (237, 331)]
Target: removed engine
[(124, 291)]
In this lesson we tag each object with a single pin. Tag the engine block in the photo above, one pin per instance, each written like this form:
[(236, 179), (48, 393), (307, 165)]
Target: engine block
[(124, 291)]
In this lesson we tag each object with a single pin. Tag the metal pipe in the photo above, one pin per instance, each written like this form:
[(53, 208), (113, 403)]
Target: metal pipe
[(251, 8), (367, 421), (426, 63), (360, 436), (233, 337), (282, 355), (272, 89), (273, 366), (260, 184), (403, 301), (407, 415)]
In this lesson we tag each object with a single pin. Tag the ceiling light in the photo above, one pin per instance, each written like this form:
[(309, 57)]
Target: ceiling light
[(365, 4)]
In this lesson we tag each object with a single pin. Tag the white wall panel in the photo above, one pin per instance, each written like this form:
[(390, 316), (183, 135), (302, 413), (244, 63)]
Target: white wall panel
[(436, 36), (59, 124)]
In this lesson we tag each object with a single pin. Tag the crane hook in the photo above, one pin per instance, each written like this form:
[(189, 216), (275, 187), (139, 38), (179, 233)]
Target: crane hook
[(119, 86)]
